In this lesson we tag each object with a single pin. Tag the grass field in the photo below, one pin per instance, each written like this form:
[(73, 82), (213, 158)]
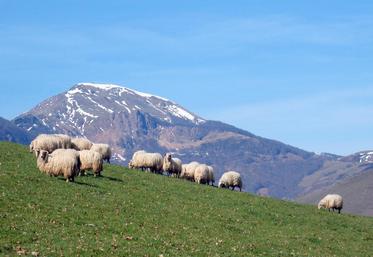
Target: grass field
[(132, 213)]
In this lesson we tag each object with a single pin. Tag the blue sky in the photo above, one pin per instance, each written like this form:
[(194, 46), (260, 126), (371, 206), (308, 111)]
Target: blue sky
[(295, 71)]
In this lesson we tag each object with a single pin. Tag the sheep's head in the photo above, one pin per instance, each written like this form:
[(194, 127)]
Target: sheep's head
[(221, 185), (43, 155), (130, 165), (321, 205), (168, 157)]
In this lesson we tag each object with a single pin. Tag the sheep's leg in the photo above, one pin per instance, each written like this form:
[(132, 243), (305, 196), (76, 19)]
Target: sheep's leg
[(233, 187), (339, 211)]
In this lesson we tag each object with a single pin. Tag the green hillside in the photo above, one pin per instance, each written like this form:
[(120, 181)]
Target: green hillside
[(131, 213)]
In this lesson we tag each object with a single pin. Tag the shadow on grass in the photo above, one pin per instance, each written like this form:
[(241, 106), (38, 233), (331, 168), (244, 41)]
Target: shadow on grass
[(110, 178), (103, 177), (79, 183), (85, 184)]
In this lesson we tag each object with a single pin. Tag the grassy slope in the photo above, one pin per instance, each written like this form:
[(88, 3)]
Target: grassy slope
[(130, 213)]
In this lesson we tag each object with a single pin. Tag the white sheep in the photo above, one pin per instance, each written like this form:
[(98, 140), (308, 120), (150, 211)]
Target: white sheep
[(91, 160), (64, 141), (201, 174), (172, 165), (64, 162), (331, 201), (211, 177), (50, 142), (231, 179), (143, 160), (104, 150), (187, 170), (80, 143)]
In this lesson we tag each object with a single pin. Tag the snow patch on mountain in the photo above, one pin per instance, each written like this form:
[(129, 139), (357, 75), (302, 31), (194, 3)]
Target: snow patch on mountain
[(100, 86), (121, 89), (161, 105), (181, 113), (366, 157)]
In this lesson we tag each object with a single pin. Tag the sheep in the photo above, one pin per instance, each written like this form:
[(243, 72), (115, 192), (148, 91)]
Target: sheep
[(143, 160), (90, 160), (50, 142), (201, 174), (187, 170), (103, 149), (80, 143), (172, 165), (211, 177), (331, 201), (64, 141), (64, 162), (231, 179), (135, 163)]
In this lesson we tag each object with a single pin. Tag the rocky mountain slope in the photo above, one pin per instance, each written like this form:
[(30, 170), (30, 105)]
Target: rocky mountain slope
[(350, 176), (337, 170), (12, 133), (130, 120)]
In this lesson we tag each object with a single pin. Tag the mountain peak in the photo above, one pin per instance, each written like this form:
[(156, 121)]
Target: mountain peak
[(107, 87), (87, 108)]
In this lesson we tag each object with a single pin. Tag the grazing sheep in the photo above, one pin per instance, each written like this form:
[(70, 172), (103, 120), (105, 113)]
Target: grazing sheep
[(201, 174), (64, 162), (231, 179), (134, 164), (143, 160), (80, 143), (50, 142), (172, 165), (187, 170), (103, 149), (211, 177), (331, 201), (90, 160)]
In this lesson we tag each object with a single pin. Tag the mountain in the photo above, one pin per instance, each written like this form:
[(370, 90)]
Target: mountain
[(350, 176), (130, 120), (10, 132), (337, 169)]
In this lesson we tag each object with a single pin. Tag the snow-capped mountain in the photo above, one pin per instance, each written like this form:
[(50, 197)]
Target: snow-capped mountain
[(129, 120), (88, 106)]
